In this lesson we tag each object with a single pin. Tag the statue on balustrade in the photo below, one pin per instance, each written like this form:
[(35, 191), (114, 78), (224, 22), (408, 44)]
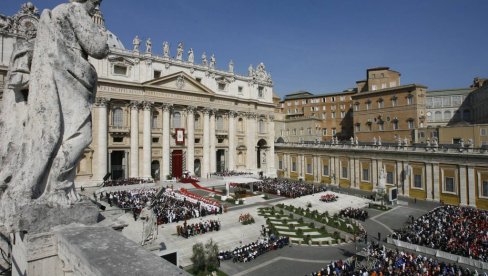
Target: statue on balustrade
[(55, 95)]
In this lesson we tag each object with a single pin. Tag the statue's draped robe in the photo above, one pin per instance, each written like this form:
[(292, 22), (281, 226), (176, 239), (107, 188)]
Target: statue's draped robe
[(61, 93)]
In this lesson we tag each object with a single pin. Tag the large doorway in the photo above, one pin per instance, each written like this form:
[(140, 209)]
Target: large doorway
[(261, 154), (220, 160), (177, 163), (118, 168), (197, 168), (155, 169)]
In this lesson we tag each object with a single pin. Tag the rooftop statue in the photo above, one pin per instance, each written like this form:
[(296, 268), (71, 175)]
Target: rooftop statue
[(165, 49), (212, 62), (204, 59), (191, 56), (56, 96), (179, 52), (148, 46), (136, 42)]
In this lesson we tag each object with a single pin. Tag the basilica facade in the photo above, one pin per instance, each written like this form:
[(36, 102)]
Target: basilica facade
[(159, 115)]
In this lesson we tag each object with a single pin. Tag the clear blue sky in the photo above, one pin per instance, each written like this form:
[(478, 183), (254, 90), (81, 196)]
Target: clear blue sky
[(314, 45)]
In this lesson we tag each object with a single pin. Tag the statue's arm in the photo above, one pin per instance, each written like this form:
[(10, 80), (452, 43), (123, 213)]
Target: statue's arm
[(92, 38)]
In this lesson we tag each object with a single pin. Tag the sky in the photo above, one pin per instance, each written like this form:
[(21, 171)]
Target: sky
[(318, 46)]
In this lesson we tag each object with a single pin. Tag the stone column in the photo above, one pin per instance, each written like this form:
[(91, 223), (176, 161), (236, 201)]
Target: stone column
[(374, 174), (213, 151), (102, 139), (303, 166), (271, 156), (462, 186), (337, 165), (232, 140), (407, 172), (435, 182), (471, 186), (351, 173), (147, 140), (206, 143), (190, 140), (357, 172), (428, 181), (166, 140), (398, 176), (251, 141), (134, 139)]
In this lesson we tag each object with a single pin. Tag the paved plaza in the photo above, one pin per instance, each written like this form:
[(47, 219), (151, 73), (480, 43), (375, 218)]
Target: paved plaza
[(291, 260)]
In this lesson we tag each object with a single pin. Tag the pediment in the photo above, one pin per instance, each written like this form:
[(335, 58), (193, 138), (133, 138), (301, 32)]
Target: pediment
[(180, 82)]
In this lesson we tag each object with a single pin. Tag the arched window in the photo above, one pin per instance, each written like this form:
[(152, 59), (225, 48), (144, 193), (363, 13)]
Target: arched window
[(154, 121), (118, 117), (220, 123), (240, 124), (176, 120), (197, 122), (262, 127), (437, 116), (447, 115)]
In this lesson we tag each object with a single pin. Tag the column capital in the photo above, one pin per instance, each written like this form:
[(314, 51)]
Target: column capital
[(167, 107), (206, 111), (190, 109), (232, 114), (271, 117), (147, 105), (102, 102), (134, 105), (251, 115), (213, 111)]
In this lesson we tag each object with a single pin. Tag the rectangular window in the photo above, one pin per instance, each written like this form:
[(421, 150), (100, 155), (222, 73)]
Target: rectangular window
[(394, 102), (383, 85), (368, 106), (417, 181), (449, 185), (357, 128), (344, 172), (120, 70), (380, 104), (294, 166), (373, 87), (392, 83), (446, 101), (429, 102), (118, 139), (325, 170), (389, 177), (324, 132), (483, 132), (484, 188), (437, 102), (395, 125), (280, 164), (157, 74), (304, 101), (334, 132), (261, 92), (333, 115), (222, 86), (410, 100), (239, 90), (381, 127), (365, 174), (410, 124), (356, 107), (309, 168), (343, 114), (155, 140)]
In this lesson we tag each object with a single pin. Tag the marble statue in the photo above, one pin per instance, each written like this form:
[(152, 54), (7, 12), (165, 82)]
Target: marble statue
[(149, 224), (179, 52), (352, 140), (191, 56), (462, 142), (148, 46), (212, 62), (382, 179), (435, 142), (356, 141), (379, 140), (405, 141), (136, 42), (166, 49), (231, 67), (399, 141), (374, 141), (204, 59), (56, 127), (250, 71)]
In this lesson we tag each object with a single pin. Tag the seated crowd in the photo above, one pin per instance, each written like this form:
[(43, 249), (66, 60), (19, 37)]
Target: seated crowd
[(253, 250), (169, 207), (457, 230), (354, 213), (128, 181), (288, 188), (195, 229), (393, 262), (230, 173), (329, 198)]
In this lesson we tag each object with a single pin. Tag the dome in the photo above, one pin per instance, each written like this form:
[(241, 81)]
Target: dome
[(114, 41)]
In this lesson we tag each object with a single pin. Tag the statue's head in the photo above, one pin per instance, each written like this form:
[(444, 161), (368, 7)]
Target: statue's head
[(91, 6)]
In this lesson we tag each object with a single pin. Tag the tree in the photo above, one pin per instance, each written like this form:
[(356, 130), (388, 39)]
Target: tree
[(205, 258)]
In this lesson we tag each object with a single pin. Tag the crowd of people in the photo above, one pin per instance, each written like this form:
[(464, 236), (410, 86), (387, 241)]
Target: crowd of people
[(246, 219), (253, 250), (354, 213), (288, 188), (231, 173), (199, 228), (169, 206), (457, 230), (385, 261), (125, 182), (329, 198)]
